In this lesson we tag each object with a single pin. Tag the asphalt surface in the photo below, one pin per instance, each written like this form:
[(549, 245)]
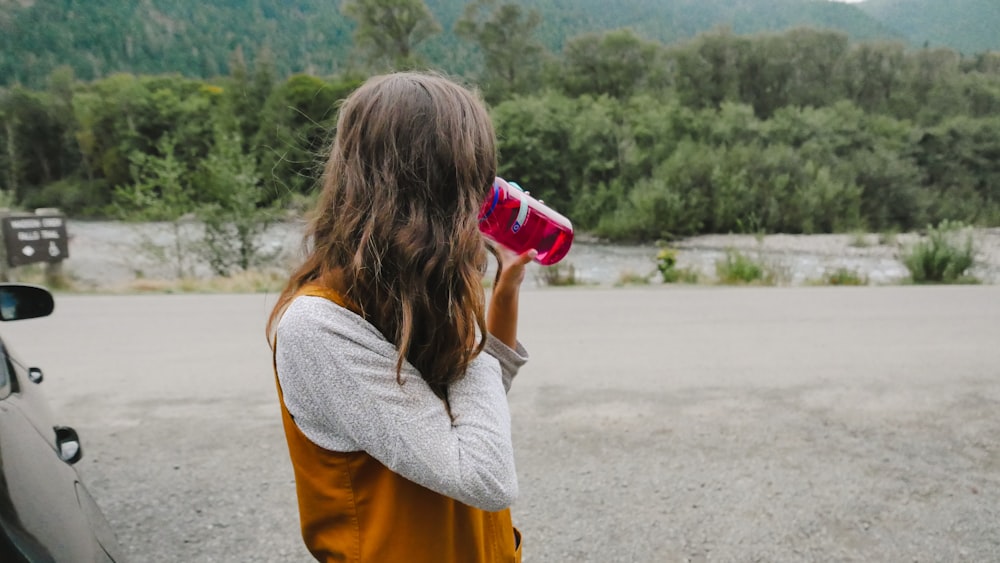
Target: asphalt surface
[(652, 424)]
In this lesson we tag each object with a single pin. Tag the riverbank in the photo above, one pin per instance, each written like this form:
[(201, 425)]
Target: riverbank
[(107, 256)]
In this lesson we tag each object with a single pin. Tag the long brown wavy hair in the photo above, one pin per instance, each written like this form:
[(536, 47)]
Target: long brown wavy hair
[(395, 229)]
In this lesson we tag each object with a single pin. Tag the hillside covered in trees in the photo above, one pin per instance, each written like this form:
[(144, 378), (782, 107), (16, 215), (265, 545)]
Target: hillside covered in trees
[(801, 131), (969, 26), (198, 39)]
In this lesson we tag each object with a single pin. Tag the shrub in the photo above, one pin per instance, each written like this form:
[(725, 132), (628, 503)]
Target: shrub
[(941, 257), (687, 275), (74, 197), (738, 269), (888, 238), (844, 276), (666, 263), (859, 239), (559, 275)]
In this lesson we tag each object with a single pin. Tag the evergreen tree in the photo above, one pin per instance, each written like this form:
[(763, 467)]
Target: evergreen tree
[(389, 30)]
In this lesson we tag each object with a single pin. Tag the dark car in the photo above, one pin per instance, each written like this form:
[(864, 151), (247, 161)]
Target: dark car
[(46, 514)]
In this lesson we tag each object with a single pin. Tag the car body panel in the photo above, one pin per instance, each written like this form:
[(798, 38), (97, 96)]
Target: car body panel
[(40, 498), (46, 513)]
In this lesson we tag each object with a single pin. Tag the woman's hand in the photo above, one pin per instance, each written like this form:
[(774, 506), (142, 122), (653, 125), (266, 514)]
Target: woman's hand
[(510, 269), (501, 316)]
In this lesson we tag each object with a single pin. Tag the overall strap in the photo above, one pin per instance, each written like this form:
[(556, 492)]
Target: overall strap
[(317, 290)]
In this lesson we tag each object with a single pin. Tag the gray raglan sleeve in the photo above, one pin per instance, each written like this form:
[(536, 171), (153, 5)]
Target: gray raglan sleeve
[(338, 377), (511, 359)]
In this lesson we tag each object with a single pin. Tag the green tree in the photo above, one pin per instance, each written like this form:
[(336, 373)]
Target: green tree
[(296, 122), (235, 214), (389, 30), (960, 162), (533, 139), (505, 34), (247, 90), (10, 161), (617, 63), (161, 189), (35, 130), (124, 114), (932, 78), (871, 75), (161, 192), (814, 56), (764, 73), (981, 94), (707, 69)]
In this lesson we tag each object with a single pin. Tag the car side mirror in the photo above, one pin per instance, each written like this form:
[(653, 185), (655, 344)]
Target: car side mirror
[(20, 301)]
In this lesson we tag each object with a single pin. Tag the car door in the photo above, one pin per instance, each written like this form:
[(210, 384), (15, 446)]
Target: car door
[(42, 504)]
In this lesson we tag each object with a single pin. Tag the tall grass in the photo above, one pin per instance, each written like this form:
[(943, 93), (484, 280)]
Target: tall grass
[(666, 264), (250, 281), (737, 268), (558, 275), (943, 257), (843, 276)]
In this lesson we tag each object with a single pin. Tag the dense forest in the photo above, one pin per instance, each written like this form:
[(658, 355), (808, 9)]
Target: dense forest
[(799, 131), (99, 37), (968, 26)]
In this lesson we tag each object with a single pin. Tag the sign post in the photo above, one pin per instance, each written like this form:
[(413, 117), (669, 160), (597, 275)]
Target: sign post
[(30, 239)]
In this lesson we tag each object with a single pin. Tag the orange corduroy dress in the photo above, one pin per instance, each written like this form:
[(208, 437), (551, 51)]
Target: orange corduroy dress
[(354, 509)]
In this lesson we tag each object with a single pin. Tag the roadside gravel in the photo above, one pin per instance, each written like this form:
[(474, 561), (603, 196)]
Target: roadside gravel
[(107, 255)]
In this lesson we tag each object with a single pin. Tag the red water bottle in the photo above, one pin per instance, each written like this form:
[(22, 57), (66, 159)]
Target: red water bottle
[(521, 223)]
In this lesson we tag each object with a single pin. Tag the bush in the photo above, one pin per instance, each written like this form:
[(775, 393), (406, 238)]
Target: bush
[(74, 197), (941, 257), (666, 263), (859, 239), (559, 275), (888, 238), (738, 269), (844, 276)]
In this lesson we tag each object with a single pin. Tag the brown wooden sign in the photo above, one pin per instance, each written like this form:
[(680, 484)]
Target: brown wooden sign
[(35, 238)]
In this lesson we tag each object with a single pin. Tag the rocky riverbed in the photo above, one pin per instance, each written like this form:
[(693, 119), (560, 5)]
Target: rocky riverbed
[(107, 255)]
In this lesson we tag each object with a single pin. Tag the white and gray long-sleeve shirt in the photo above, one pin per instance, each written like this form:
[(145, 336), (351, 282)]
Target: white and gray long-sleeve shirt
[(338, 377)]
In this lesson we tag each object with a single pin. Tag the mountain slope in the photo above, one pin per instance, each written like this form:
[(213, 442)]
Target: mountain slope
[(673, 20), (98, 37), (969, 26)]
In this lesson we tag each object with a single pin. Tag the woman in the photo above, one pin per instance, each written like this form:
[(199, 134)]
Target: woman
[(392, 374)]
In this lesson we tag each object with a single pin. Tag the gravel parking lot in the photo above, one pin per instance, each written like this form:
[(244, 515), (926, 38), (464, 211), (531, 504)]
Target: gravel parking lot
[(652, 424)]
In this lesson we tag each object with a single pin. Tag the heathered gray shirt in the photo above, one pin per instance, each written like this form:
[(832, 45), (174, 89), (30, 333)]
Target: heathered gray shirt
[(338, 376)]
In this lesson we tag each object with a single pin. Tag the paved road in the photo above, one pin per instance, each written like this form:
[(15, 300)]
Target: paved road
[(655, 424)]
